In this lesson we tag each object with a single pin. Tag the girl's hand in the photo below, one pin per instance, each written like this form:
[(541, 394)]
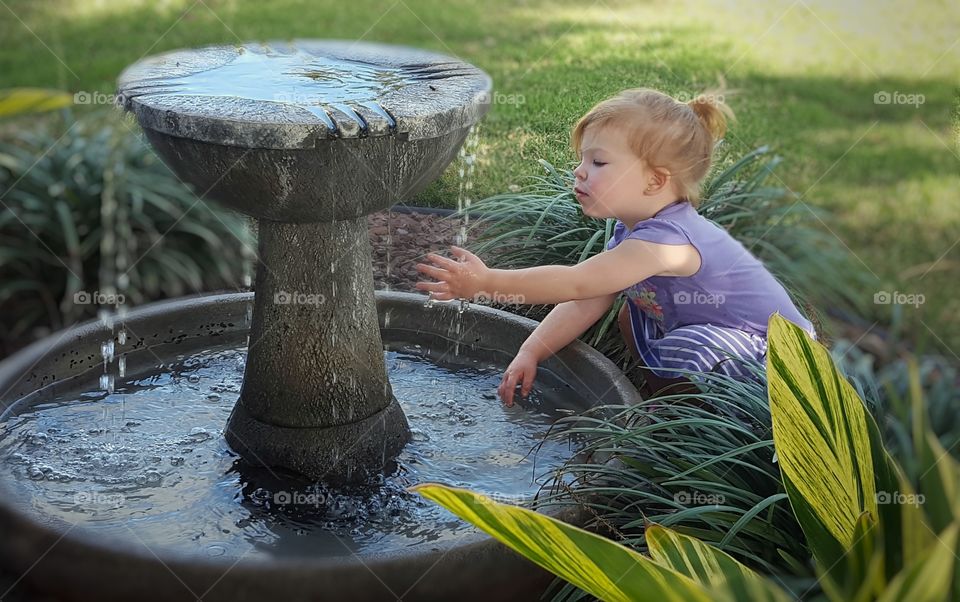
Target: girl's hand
[(462, 279), (522, 370)]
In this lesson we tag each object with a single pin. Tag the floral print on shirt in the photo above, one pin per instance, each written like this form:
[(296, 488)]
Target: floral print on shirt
[(643, 295)]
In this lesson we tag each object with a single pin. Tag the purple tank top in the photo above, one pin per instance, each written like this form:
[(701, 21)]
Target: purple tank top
[(732, 288)]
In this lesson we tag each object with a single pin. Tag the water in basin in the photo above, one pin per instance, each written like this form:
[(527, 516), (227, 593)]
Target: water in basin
[(148, 462), (296, 77)]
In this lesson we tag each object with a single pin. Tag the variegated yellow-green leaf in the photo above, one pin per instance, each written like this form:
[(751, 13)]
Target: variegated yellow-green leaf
[(601, 567), (930, 578), (860, 578), (915, 534), (710, 567), (18, 101), (821, 436), (939, 472)]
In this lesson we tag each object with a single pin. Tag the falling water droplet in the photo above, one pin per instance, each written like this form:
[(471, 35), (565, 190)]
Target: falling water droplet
[(106, 351), (106, 382), (122, 366), (106, 317)]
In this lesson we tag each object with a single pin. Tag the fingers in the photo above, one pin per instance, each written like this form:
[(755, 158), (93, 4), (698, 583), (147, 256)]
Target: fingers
[(441, 261), (508, 386), (439, 291), (443, 296), (433, 272), (433, 287), (527, 384)]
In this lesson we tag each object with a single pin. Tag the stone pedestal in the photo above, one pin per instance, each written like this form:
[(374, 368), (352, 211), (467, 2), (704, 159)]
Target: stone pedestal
[(309, 137)]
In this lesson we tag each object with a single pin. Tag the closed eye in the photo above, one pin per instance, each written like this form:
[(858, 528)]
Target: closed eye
[(598, 163)]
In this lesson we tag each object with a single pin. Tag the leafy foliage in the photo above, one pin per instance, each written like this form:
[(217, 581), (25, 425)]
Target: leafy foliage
[(94, 208), (874, 534)]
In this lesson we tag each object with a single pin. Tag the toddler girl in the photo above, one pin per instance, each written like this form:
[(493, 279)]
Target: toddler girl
[(697, 299)]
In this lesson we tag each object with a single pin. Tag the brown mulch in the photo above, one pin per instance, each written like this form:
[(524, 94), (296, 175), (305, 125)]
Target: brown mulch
[(411, 237)]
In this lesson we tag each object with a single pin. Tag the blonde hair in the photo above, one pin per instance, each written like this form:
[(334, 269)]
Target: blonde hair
[(665, 132)]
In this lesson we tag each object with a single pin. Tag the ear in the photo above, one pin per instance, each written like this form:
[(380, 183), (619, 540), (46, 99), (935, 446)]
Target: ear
[(658, 180)]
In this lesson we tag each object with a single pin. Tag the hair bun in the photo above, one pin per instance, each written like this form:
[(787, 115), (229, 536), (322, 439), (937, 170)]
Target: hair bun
[(713, 112)]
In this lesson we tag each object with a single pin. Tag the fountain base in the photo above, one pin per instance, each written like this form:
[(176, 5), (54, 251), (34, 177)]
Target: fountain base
[(328, 454)]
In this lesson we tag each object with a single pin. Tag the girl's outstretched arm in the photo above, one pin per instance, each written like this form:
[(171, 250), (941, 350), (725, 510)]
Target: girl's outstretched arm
[(562, 326), (609, 272)]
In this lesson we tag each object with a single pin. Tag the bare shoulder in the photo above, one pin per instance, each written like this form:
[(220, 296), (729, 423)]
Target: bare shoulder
[(674, 260)]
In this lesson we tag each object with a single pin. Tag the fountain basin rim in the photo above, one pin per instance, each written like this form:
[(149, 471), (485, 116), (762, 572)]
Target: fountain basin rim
[(421, 109)]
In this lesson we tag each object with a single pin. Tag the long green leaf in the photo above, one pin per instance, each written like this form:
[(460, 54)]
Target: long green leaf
[(929, 579), (601, 567), (18, 101), (820, 433), (710, 567), (833, 464), (939, 472)]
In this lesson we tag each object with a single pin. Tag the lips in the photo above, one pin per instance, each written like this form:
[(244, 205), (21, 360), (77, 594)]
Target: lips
[(580, 191)]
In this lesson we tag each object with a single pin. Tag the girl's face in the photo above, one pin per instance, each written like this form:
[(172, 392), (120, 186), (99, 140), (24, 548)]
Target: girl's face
[(611, 181)]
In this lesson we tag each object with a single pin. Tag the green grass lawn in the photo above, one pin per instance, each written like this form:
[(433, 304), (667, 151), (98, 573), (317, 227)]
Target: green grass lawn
[(806, 74)]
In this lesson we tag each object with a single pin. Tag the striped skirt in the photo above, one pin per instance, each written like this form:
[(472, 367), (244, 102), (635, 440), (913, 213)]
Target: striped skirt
[(695, 347)]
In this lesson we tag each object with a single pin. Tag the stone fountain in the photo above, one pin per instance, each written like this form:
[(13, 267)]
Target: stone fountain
[(308, 137)]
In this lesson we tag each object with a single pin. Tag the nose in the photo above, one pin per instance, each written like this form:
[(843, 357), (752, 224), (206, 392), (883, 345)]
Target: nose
[(580, 172)]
